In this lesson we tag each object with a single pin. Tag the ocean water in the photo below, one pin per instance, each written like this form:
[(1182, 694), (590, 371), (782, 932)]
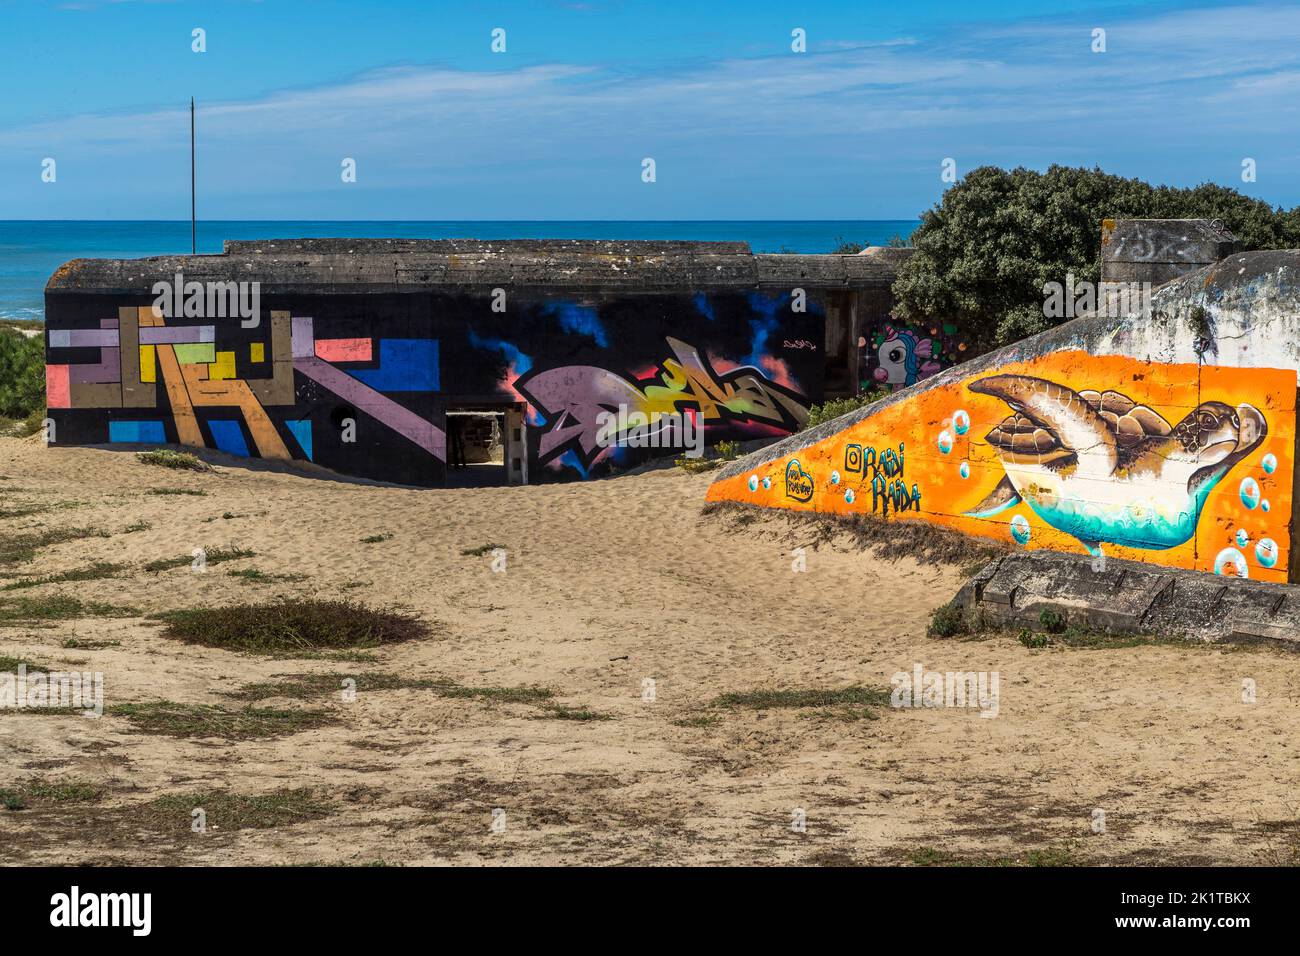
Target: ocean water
[(31, 250)]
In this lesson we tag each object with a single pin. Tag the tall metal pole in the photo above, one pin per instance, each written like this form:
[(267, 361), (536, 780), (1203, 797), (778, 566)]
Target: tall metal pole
[(193, 228)]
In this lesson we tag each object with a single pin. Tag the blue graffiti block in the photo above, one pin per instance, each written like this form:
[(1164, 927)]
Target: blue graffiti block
[(302, 431), (579, 320), (405, 365), (137, 433), (229, 437)]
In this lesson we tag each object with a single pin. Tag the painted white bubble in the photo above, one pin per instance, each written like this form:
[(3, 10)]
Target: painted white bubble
[(1269, 463), (1020, 529), (1265, 505), (1230, 559), (849, 496), (767, 483), (753, 482), (835, 477), (1266, 552), (1243, 539), (1250, 493), (961, 422), (945, 441), (964, 469)]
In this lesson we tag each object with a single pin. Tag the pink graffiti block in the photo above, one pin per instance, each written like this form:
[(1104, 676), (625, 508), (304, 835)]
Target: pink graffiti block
[(58, 392), (343, 350), (302, 337)]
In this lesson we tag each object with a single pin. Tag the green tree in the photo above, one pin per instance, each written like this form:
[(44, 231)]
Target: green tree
[(22, 374), (985, 251)]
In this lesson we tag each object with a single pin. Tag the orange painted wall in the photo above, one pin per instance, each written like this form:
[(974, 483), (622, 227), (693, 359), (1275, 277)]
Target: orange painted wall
[(830, 476)]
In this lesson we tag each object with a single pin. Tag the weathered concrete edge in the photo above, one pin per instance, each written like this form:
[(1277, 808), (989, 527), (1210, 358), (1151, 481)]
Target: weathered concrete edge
[(377, 266), (1012, 589)]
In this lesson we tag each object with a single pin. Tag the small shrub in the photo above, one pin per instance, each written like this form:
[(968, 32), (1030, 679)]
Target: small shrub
[(727, 450), (1051, 620), (770, 699), (1030, 639), (291, 625), (215, 556), (842, 406), (948, 621), (376, 538), (481, 550), (170, 458), (694, 466)]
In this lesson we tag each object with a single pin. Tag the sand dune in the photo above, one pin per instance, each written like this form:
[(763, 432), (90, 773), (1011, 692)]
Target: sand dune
[(608, 584)]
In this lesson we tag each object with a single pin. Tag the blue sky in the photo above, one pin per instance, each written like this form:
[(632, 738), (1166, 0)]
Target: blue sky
[(740, 127)]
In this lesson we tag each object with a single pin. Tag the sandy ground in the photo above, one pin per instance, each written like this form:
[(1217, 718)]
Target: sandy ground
[(608, 584)]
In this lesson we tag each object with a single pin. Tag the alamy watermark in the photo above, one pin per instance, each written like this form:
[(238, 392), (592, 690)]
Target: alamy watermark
[(923, 688), (74, 690), (636, 429), (1070, 299), (176, 298)]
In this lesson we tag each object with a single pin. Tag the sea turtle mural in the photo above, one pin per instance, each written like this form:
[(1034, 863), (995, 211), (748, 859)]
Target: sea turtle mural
[(1101, 467)]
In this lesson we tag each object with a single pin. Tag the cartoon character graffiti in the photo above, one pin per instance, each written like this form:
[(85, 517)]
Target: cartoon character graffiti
[(574, 399), (900, 358), (1101, 467)]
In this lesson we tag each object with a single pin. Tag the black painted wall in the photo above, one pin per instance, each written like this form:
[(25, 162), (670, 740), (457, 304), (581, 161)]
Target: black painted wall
[(747, 363)]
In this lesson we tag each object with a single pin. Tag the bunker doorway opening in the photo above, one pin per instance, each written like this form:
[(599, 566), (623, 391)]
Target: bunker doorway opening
[(486, 446)]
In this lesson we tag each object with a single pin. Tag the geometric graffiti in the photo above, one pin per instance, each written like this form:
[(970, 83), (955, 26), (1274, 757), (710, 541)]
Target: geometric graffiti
[(138, 351), (288, 387), (575, 399)]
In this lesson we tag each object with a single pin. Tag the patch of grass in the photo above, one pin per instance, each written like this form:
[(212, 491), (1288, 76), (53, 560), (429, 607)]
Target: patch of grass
[(170, 719), (948, 620), (774, 699), (376, 538), (292, 625), (338, 657), (481, 550), (58, 607), (170, 458), (196, 492), (77, 644), (214, 556), (93, 572), (889, 538), (38, 792), (502, 695), (843, 714), (563, 712), (10, 664), (305, 686), (23, 511), (698, 720), (18, 549), (232, 811), (1047, 856), (263, 577), (694, 466), (137, 526)]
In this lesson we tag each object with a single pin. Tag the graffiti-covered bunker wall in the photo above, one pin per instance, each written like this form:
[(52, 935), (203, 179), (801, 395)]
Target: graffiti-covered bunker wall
[(361, 348), (1168, 437)]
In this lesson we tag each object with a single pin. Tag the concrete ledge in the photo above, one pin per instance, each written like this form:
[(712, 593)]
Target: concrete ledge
[(1131, 596), (368, 266)]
